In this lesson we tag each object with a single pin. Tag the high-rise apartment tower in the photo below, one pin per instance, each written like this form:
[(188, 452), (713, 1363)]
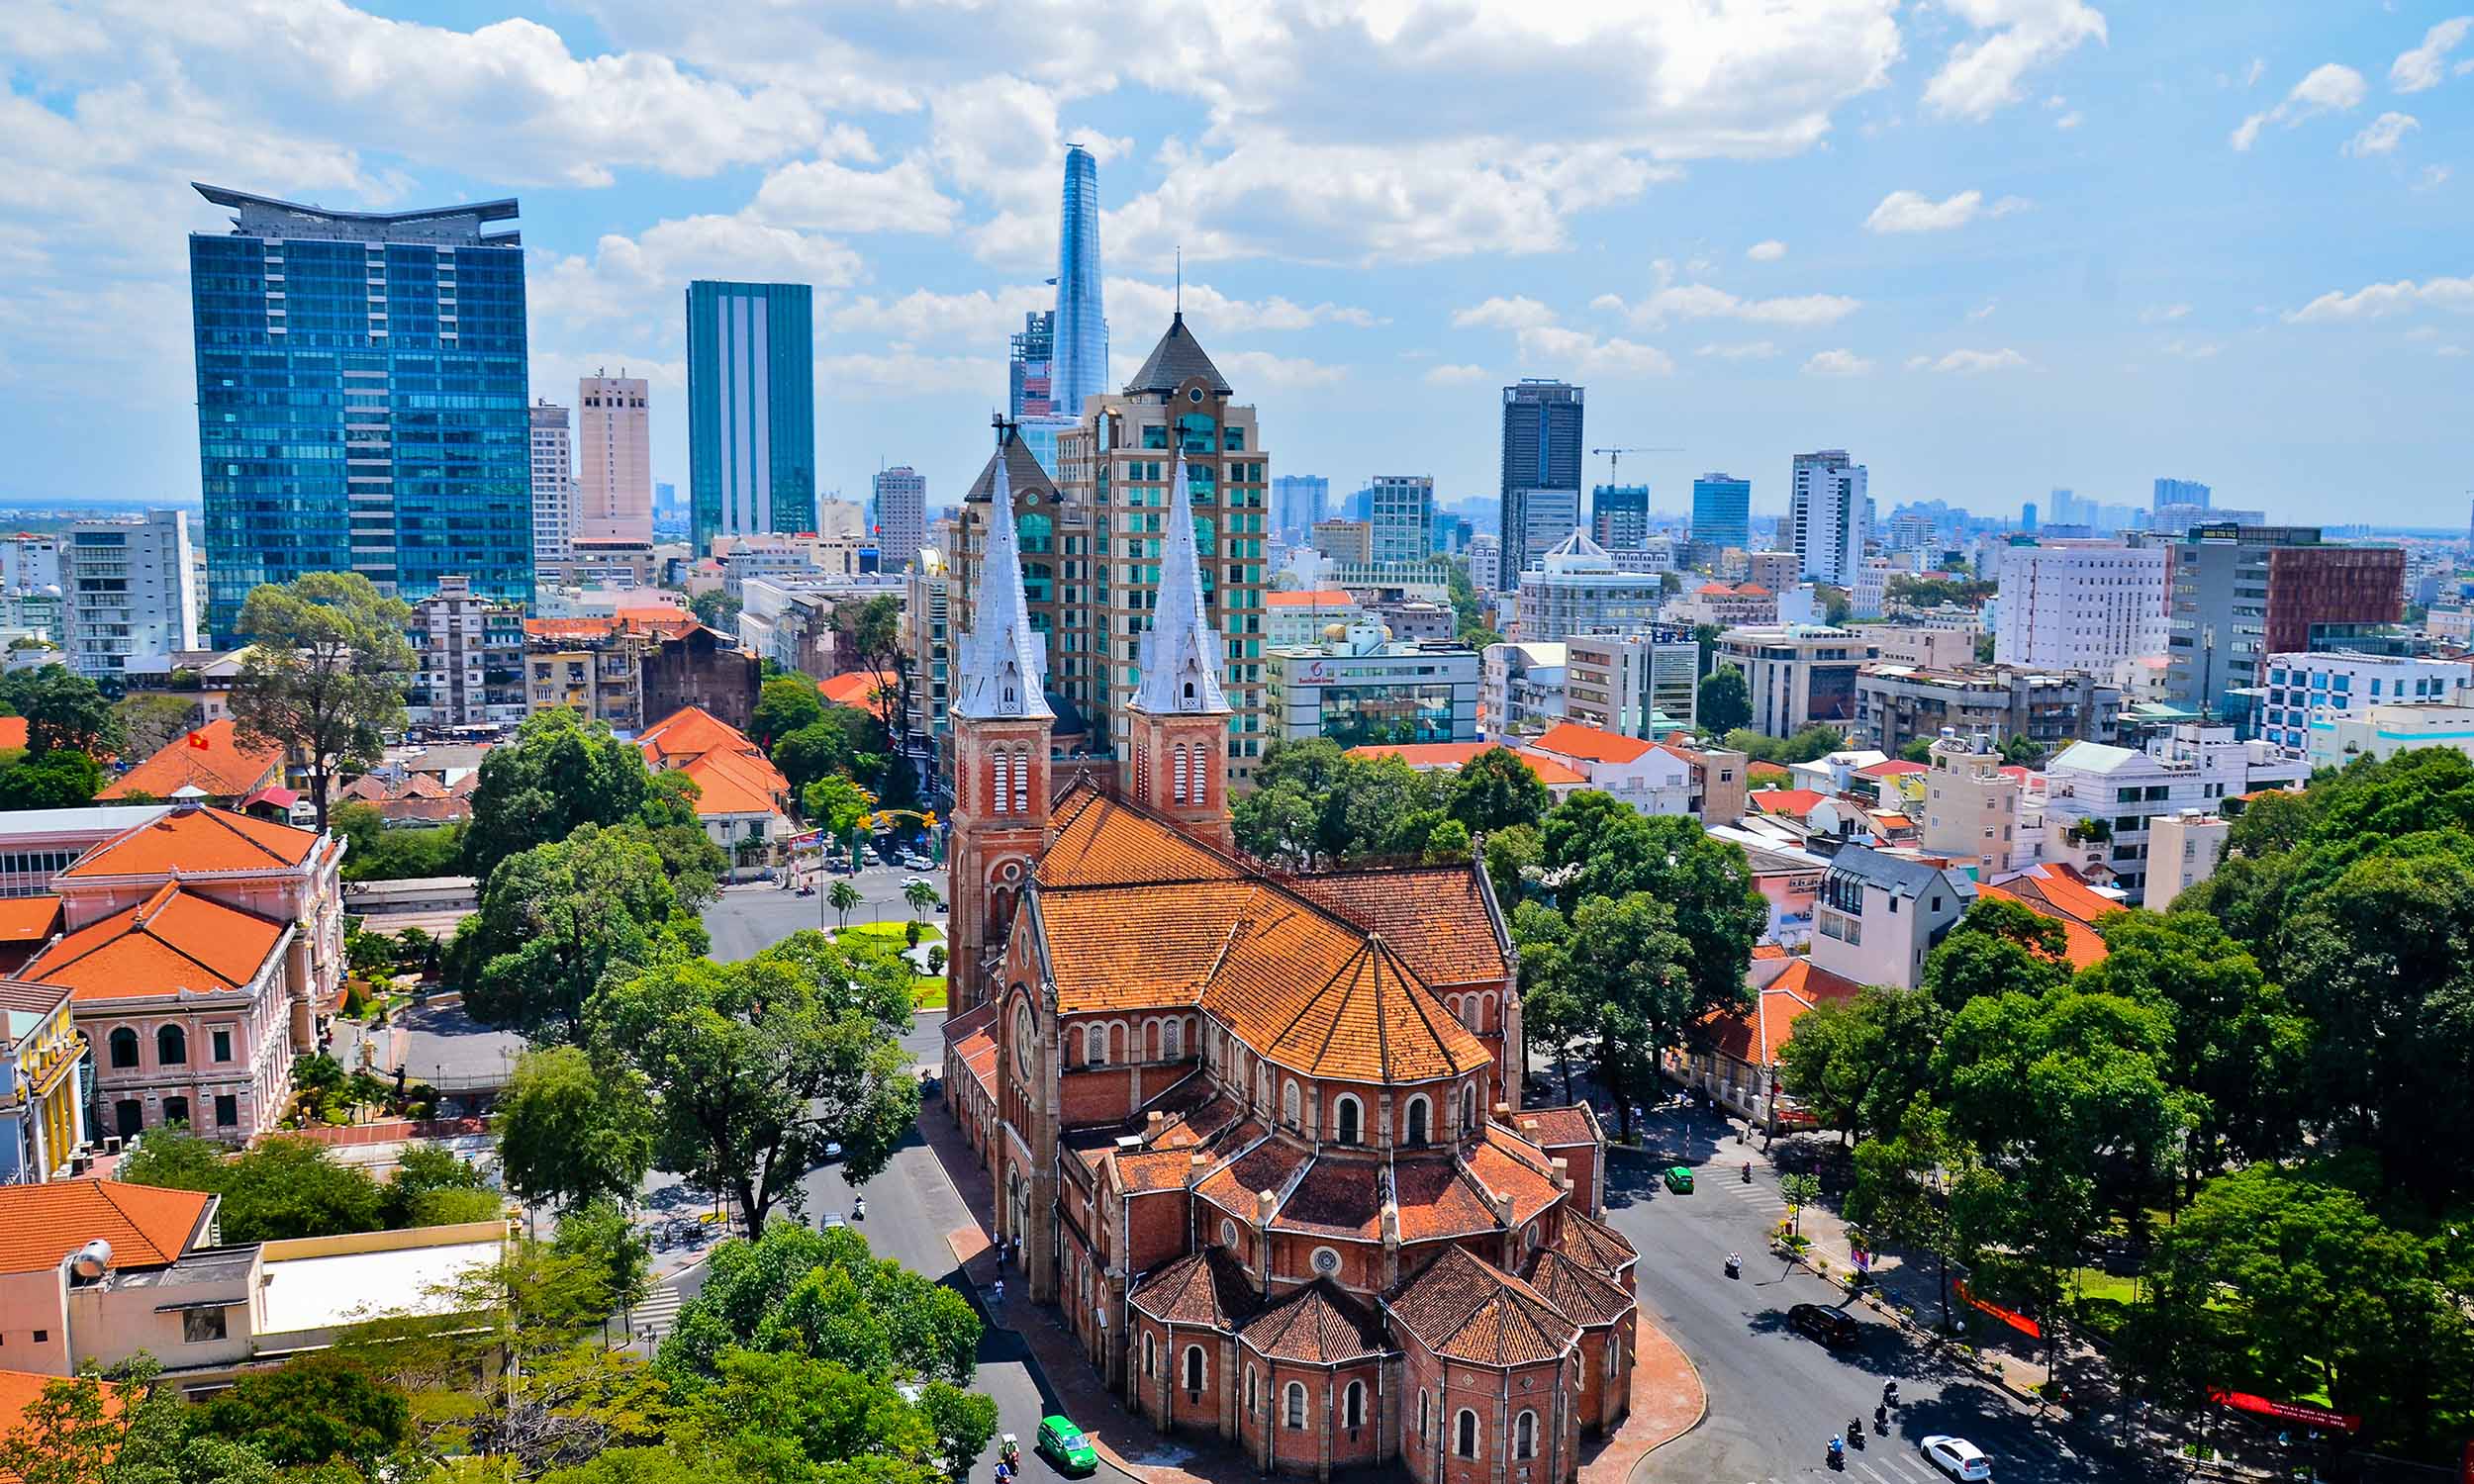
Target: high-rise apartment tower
[(1541, 451), (1830, 515), (613, 459), (1721, 514), (900, 516), (554, 489), (751, 410)]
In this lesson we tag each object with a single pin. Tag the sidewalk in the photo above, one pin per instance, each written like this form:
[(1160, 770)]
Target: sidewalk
[(1668, 1399)]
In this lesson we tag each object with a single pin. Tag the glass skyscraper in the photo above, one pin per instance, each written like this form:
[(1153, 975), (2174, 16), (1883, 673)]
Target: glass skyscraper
[(1721, 514), (361, 399), (1542, 423), (751, 410), (1080, 369)]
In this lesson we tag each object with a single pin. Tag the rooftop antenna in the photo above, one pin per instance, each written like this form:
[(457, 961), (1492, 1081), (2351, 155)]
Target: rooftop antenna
[(1180, 280)]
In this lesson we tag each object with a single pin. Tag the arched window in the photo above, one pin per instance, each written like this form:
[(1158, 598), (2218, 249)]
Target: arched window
[(1096, 1044), (1473, 1012), (1289, 1103), (123, 1047), (171, 1046), (1173, 1041), (1151, 1034), (1001, 763), (1117, 1043), (1194, 1367), (1465, 1434), (1525, 1435), (1252, 1403), (1468, 1109), (1345, 1119), (1262, 1093), (1422, 1400), (1614, 1356), (1297, 1405), (1023, 782), (1178, 786), (1353, 1405), (1148, 1369), (1416, 1122)]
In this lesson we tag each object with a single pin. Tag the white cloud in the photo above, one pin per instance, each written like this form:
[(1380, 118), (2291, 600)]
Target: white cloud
[(2191, 350), (823, 196), (2432, 178), (2257, 69), (2425, 65), (1975, 362), (1983, 311), (1837, 363), (2383, 134), (2164, 314), (2330, 87), (1452, 374), (1136, 301), (979, 318), (1572, 352), (2451, 351), (1913, 211), (1261, 368), (2071, 119), (1766, 252), (626, 277), (1983, 74), (1671, 300), (1516, 312), (1750, 351), (2380, 300), (900, 372)]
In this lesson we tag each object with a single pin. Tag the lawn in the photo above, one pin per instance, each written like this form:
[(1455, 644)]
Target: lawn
[(928, 932), (2096, 1283), (927, 991)]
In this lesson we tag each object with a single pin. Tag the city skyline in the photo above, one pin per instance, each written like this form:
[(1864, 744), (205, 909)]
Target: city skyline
[(1959, 248)]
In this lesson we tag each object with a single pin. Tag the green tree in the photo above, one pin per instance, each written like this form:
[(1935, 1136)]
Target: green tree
[(841, 741), (923, 898), (758, 1066), (63, 710), (834, 805), (789, 1416), (872, 632), (573, 1129), (316, 1408), (1553, 1016), (324, 673), (842, 897), (560, 772), (175, 1158), (1904, 1175), (1798, 1189), (287, 1187), (63, 779), (1918, 751), (1857, 1064), (1496, 790), (1280, 824), (1630, 969), (717, 611), (783, 706), (434, 1186), (1725, 701), (1511, 854), (599, 1231), (560, 920), (137, 1431), (1597, 847), (1999, 947), (825, 1296)]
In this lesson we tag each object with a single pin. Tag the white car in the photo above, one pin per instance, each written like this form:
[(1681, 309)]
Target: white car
[(1958, 1457)]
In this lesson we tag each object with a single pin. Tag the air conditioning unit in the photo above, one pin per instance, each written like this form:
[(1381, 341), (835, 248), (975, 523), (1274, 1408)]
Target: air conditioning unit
[(112, 1144)]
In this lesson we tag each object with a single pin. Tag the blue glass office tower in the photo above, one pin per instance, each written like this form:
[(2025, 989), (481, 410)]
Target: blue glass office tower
[(1721, 514), (751, 410), (1080, 369), (361, 399)]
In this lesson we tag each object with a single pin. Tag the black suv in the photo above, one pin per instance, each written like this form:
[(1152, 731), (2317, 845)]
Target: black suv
[(1824, 1324)]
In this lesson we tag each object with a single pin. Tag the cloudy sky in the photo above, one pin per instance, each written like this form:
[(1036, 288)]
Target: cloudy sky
[(1988, 245)]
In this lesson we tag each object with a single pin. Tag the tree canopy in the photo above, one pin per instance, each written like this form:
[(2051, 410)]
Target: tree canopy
[(560, 921), (1725, 701), (324, 675)]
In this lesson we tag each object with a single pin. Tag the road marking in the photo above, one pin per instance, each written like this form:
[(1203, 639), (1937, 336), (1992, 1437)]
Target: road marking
[(660, 1311)]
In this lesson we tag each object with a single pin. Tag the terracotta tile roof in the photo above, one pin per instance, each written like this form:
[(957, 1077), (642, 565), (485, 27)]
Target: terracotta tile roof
[(689, 733), (12, 736), (196, 841), (570, 628), (1318, 1325), (2086, 946), (1550, 771), (29, 919), (1793, 802), (2066, 891), (1753, 1036), (1370, 1021), (1768, 950), (1596, 1244), (1094, 840), (1579, 1293), (977, 1051), (172, 941), (1434, 916), (1509, 1167), (148, 1227), (871, 690), (1466, 1310), (1438, 755), (1234, 1187), (1154, 1169), (210, 759), (1438, 1199), (1141, 946), (1892, 768), (1572, 740), (1557, 1128), (426, 810), (1337, 1198), (1320, 597), (1209, 1288), (737, 783), (21, 1389), (1760, 768)]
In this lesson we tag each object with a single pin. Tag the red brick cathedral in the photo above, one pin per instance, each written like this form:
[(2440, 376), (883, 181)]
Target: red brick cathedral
[(1254, 1132)]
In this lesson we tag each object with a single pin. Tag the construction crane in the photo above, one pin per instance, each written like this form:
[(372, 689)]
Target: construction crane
[(1615, 456)]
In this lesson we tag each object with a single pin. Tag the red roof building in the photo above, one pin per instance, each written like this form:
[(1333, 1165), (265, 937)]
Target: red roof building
[(210, 764)]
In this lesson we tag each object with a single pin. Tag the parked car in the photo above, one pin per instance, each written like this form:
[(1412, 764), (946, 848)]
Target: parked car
[(1678, 1179), (1063, 1444), (1824, 1324), (1958, 1457)]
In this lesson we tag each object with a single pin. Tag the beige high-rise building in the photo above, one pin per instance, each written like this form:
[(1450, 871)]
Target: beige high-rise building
[(1970, 806), (613, 459)]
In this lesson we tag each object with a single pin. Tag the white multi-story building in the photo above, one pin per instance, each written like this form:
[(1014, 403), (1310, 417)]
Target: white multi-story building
[(1829, 514), (2182, 850), (1401, 509), (900, 516), (2110, 794), (1369, 690), (2305, 692), (1643, 684), (1485, 560), (29, 563), (1799, 674), (1576, 590), (553, 489), (613, 459), (1304, 615), (1521, 687), (129, 592), (2068, 605), (1879, 915), (1869, 594), (2383, 731)]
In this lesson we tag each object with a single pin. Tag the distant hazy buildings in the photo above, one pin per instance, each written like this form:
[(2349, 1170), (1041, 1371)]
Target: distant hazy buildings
[(1829, 514), (2181, 491), (1401, 513), (751, 414), (322, 343), (554, 488), (1722, 513), (2080, 604), (1080, 369), (613, 459), (900, 516), (1298, 501), (1541, 487), (130, 593)]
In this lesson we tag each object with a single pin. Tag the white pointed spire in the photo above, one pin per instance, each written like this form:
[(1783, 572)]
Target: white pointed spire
[(1181, 653), (1005, 667)]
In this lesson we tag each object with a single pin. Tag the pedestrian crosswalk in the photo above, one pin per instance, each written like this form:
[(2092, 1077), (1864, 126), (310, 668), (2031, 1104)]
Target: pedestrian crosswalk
[(1890, 1461), (1760, 1195), (657, 1313)]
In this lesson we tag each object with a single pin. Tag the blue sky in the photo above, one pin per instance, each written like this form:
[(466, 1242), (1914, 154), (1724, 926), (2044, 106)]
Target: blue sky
[(1989, 247)]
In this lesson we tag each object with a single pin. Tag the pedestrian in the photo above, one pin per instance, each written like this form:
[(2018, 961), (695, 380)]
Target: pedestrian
[(1001, 1290)]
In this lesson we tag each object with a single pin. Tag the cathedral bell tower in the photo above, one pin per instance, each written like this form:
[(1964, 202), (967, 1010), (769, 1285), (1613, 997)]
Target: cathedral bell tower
[(1176, 760), (1000, 723)]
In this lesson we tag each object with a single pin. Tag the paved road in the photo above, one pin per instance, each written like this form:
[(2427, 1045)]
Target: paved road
[(1775, 1396), (745, 919)]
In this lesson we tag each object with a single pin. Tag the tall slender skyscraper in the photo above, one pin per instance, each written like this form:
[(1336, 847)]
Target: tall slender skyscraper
[(1829, 514), (613, 459), (553, 489), (1080, 369), (326, 342), (751, 410), (1541, 422), (900, 516)]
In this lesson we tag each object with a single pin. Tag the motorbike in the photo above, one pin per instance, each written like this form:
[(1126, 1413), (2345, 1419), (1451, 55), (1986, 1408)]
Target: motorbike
[(1881, 1421), (1855, 1432), (1735, 1266), (1838, 1454), (1008, 1452), (1889, 1393), (859, 1208)]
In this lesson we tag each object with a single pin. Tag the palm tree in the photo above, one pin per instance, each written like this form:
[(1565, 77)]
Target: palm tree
[(843, 898), (923, 898)]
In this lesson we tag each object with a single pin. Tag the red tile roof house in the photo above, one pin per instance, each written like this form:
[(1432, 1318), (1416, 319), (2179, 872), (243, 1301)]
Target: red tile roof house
[(1734, 1056), (741, 799), (1652, 778), (1562, 782), (200, 947)]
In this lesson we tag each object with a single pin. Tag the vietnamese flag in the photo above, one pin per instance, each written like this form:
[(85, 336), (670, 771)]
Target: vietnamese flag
[(2294, 1412)]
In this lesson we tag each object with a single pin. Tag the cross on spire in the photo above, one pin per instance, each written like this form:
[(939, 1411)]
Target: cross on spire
[(1181, 653), (1005, 667)]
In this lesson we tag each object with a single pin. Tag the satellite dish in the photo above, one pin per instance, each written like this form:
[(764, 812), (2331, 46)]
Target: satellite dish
[(92, 1260)]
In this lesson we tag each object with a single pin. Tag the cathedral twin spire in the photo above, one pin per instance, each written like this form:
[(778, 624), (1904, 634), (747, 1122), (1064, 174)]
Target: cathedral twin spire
[(1005, 665), (1181, 653)]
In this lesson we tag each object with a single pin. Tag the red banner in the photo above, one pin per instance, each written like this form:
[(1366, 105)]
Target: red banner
[(2469, 1461), (2294, 1412), (2010, 1317)]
